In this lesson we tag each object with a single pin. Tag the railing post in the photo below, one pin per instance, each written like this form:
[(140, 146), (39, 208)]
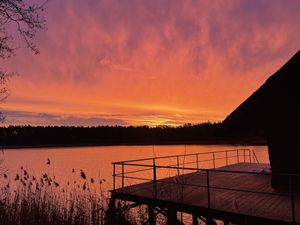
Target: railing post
[(244, 155), (214, 162), (177, 157), (122, 175), (154, 178), (237, 156), (114, 176), (249, 155), (197, 161), (292, 198), (226, 158), (208, 190)]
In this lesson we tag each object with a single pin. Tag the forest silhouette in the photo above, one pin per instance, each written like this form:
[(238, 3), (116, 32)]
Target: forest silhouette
[(204, 133)]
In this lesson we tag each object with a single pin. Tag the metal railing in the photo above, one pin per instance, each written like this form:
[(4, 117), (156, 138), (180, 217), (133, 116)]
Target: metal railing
[(205, 162), (227, 157)]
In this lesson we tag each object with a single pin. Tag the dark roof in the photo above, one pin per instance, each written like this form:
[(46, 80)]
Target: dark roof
[(276, 103)]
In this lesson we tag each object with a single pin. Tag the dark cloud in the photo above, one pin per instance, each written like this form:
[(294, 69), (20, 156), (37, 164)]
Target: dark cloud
[(32, 118)]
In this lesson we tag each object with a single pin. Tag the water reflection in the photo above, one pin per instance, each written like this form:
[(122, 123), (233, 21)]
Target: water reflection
[(67, 163)]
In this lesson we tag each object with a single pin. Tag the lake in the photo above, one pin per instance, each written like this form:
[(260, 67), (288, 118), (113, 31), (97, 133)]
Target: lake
[(95, 161)]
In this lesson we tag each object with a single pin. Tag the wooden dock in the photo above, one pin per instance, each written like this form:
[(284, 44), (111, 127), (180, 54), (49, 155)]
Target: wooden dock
[(240, 193)]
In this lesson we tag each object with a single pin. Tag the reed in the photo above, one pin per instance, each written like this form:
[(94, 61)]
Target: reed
[(29, 200)]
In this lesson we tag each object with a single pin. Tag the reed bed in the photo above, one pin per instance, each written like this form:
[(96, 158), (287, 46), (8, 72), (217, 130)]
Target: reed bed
[(29, 200)]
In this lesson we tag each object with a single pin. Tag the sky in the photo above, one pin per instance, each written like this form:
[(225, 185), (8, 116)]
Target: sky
[(141, 62)]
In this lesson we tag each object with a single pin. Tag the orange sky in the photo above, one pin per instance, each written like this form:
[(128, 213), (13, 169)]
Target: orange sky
[(158, 62)]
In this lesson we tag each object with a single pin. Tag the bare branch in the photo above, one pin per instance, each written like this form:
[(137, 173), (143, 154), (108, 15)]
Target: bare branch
[(25, 18), (17, 18)]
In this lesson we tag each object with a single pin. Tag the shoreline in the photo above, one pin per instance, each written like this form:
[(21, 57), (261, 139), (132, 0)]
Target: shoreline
[(233, 143)]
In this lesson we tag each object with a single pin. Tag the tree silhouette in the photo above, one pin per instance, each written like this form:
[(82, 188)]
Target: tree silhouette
[(17, 18), (204, 133)]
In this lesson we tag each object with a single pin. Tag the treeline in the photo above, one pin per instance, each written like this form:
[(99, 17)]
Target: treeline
[(20, 136)]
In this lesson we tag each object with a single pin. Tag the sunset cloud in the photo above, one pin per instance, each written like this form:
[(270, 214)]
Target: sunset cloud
[(151, 62)]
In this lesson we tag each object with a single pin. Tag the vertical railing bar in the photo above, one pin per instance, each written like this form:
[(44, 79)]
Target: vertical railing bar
[(292, 198), (122, 176), (114, 176), (226, 158), (214, 161), (244, 155), (249, 155), (177, 165), (208, 189), (154, 177), (237, 156), (197, 161)]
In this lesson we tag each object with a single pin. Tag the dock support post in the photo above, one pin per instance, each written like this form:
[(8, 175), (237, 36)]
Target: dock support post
[(171, 216), (151, 215), (111, 210), (112, 203), (195, 219), (226, 222), (208, 220)]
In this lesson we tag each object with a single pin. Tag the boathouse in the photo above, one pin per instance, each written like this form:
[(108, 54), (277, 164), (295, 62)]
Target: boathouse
[(275, 109)]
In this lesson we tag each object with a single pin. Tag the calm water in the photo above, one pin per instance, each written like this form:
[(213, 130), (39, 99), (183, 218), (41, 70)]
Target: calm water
[(95, 161)]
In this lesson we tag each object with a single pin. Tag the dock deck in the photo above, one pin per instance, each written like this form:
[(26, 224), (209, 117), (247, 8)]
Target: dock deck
[(239, 191)]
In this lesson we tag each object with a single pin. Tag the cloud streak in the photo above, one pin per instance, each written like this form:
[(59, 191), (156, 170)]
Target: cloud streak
[(44, 119)]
